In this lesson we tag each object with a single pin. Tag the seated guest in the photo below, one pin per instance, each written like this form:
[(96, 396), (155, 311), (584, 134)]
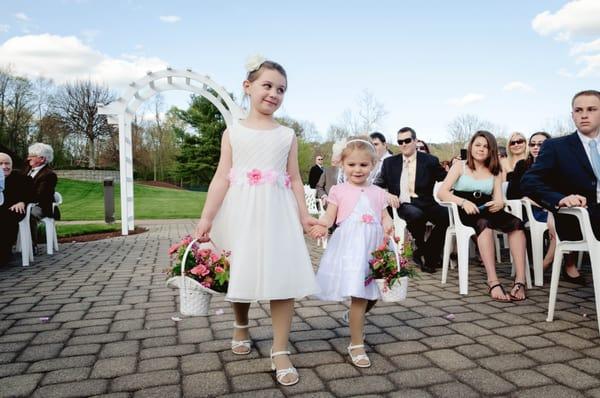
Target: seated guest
[(315, 172), (382, 151), (331, 175), (44, 183), (16, 193), (409, 178), (422, 146), (566, 172), (514, 192), (517, 150), (475, 185)]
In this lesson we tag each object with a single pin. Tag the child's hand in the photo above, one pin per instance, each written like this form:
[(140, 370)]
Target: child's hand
[(203, 229), (388, 227), (308, 222), (318, 231)]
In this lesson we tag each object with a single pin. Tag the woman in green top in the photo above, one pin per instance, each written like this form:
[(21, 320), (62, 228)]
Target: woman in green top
[(475, 185)]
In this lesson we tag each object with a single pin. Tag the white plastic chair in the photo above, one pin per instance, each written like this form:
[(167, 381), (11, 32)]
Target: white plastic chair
[(310, 196), (50, 227), (536, 229), (24, 243), (590, 244)]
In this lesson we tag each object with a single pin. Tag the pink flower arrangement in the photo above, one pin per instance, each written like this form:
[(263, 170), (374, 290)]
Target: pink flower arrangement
[(254, 176), (203, 264), (367, 218), (383, 264)]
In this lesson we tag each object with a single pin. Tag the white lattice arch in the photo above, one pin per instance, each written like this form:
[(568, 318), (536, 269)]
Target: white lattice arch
[(122, 111)]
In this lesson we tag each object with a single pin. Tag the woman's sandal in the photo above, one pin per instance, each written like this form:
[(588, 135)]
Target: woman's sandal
[(490, 288), (281, 373), (360, 360), (518, 286), (244, 345)]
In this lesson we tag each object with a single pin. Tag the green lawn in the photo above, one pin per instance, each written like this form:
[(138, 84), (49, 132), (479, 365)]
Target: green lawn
[(85, 201), (66, 230)]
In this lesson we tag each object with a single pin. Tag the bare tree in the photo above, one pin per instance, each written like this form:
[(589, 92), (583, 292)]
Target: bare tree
[(364, 119), (559, 126), (77, 105), (464, 126)]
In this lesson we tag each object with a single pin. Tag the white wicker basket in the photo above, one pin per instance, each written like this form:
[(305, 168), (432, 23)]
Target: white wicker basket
[(398, 291), (194, 299)]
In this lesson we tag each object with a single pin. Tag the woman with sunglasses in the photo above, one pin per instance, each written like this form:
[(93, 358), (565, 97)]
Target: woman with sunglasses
[(475, 185), (422, 146), (514, 191), (517, 150)]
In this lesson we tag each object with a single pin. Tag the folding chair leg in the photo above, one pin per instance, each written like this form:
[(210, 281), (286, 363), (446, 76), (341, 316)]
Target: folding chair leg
[(50, 231), (446, 257), (556, 265), (537, 251), (462, 244)]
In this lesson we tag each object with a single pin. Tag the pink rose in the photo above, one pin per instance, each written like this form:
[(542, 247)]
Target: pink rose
[(287, 180), (219, 269), (367, 218), (200, 270), (254, 177), (174, 248), (214, 257)]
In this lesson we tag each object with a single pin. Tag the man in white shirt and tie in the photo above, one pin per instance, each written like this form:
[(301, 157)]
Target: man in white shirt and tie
[(566, 173)]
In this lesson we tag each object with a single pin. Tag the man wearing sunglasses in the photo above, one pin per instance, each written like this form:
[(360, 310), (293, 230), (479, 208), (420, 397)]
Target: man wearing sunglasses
[(566, 172), (409, 178)]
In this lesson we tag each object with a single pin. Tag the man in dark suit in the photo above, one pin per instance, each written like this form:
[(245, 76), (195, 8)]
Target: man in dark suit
[(409, 178), (17, 193), (44, 183), (566, 173), (315, 172)]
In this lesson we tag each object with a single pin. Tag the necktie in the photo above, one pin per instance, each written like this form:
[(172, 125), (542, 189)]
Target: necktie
[(404, 195), (595, 158)]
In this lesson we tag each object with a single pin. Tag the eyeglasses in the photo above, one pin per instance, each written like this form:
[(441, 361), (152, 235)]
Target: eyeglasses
[(538, 144), (405, 141), (515, 142), (319, 158), (420, 148)]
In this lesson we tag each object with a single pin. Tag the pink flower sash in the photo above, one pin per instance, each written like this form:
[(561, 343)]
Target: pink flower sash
[(255, 177)]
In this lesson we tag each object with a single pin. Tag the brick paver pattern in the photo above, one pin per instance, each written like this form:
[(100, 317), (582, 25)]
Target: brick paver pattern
[(95, 319)]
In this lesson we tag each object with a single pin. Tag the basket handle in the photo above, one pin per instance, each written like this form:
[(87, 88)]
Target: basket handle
[(395, 249), (184, 259)]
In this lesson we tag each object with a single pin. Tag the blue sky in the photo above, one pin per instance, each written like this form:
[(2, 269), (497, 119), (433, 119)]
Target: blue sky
[(513, 63)]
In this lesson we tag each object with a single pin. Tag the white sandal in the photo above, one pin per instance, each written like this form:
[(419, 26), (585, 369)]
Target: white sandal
[(247, 344), (360, 357), (280, 374)]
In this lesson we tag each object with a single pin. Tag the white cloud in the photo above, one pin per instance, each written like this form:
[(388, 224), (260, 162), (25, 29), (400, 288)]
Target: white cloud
[(64, 58), (21, 16), (170, 18), (578, 17), (591, 65), (466, 100), (517, 86), (592, 46), (4, 28)]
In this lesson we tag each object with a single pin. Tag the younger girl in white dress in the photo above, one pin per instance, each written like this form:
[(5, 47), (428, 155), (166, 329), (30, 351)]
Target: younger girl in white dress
[(255, 207), (359, 210)]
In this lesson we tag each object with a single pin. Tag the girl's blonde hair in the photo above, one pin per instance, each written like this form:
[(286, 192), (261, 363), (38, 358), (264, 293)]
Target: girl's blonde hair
[(359, 144)]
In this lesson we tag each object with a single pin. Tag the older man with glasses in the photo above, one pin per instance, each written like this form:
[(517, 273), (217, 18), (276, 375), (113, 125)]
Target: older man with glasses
[(44, 183), (409, 178)]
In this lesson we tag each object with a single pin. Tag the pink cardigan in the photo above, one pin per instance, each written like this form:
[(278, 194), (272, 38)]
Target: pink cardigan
[(345, 196)]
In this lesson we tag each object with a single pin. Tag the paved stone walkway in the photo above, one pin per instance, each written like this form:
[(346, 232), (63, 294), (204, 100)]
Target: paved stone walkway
[(95, 319)]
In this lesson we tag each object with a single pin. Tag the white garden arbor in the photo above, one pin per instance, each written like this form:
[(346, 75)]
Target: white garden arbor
[(122, 111)]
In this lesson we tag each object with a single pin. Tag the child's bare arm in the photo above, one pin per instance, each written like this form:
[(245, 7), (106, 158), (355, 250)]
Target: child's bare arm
[(387, 222)]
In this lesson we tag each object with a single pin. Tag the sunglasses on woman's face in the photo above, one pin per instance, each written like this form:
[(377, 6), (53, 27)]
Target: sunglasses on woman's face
[(405, 141), (420, 148), (538, 144), (519, 141)]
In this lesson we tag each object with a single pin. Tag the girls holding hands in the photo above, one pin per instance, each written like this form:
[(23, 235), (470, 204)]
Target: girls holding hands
[(255, 194), (359, 210)]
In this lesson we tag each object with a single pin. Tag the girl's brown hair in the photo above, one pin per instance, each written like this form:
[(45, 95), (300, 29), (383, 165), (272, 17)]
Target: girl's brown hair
[(272, 65), (492, 162)]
